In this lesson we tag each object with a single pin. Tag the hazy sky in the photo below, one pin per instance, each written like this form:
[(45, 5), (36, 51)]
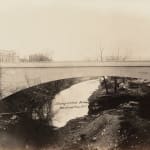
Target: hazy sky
[(76, 29)]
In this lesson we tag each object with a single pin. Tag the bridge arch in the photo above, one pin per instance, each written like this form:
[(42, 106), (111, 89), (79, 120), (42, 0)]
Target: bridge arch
[(16, 79), (34, 98)]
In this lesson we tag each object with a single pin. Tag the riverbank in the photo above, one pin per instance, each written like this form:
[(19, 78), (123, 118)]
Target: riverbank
[(121, 128), (116, 121)]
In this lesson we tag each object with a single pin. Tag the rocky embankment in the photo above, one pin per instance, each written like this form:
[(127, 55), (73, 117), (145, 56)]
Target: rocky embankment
[(117, 121)]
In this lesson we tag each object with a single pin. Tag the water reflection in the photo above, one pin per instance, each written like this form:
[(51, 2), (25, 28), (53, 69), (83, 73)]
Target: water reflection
[(72, 102)]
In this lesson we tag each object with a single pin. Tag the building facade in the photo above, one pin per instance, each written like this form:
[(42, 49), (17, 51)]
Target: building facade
[(8, 56)]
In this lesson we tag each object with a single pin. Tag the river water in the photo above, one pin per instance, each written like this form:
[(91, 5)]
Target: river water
[(72, 102)]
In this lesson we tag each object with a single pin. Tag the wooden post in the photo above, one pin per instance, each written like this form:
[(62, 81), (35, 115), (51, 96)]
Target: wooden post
[(115, 84), (105, 85)]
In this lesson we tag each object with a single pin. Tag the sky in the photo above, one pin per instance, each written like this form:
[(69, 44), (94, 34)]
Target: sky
[(76, 29)]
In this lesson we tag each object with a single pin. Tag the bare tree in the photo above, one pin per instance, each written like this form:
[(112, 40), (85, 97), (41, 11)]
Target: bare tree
[(39, 57), (101, 54), (118, 55), (126, 56)]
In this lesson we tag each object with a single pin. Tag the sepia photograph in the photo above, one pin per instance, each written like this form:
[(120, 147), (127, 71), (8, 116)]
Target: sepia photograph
[(74, 75)]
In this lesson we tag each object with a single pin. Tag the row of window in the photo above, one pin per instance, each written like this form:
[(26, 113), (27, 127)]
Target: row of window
[(7, 59)]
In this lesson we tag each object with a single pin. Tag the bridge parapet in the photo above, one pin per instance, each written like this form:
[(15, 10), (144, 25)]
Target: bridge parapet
[(76, 64)]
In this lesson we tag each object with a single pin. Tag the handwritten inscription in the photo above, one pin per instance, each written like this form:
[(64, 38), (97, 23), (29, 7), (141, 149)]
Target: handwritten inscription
[(72, 104)]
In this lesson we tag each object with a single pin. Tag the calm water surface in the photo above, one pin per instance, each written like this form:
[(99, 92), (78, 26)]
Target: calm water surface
[(72, 102)]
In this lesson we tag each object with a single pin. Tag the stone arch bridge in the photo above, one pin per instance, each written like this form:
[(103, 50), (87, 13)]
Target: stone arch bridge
[(16, 77)]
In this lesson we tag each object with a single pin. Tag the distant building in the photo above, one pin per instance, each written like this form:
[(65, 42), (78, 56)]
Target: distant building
[(39, 58), (8, 56), (115, 58)]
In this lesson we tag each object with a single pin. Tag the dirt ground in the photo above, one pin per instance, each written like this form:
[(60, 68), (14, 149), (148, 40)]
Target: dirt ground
[(121, 128)]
